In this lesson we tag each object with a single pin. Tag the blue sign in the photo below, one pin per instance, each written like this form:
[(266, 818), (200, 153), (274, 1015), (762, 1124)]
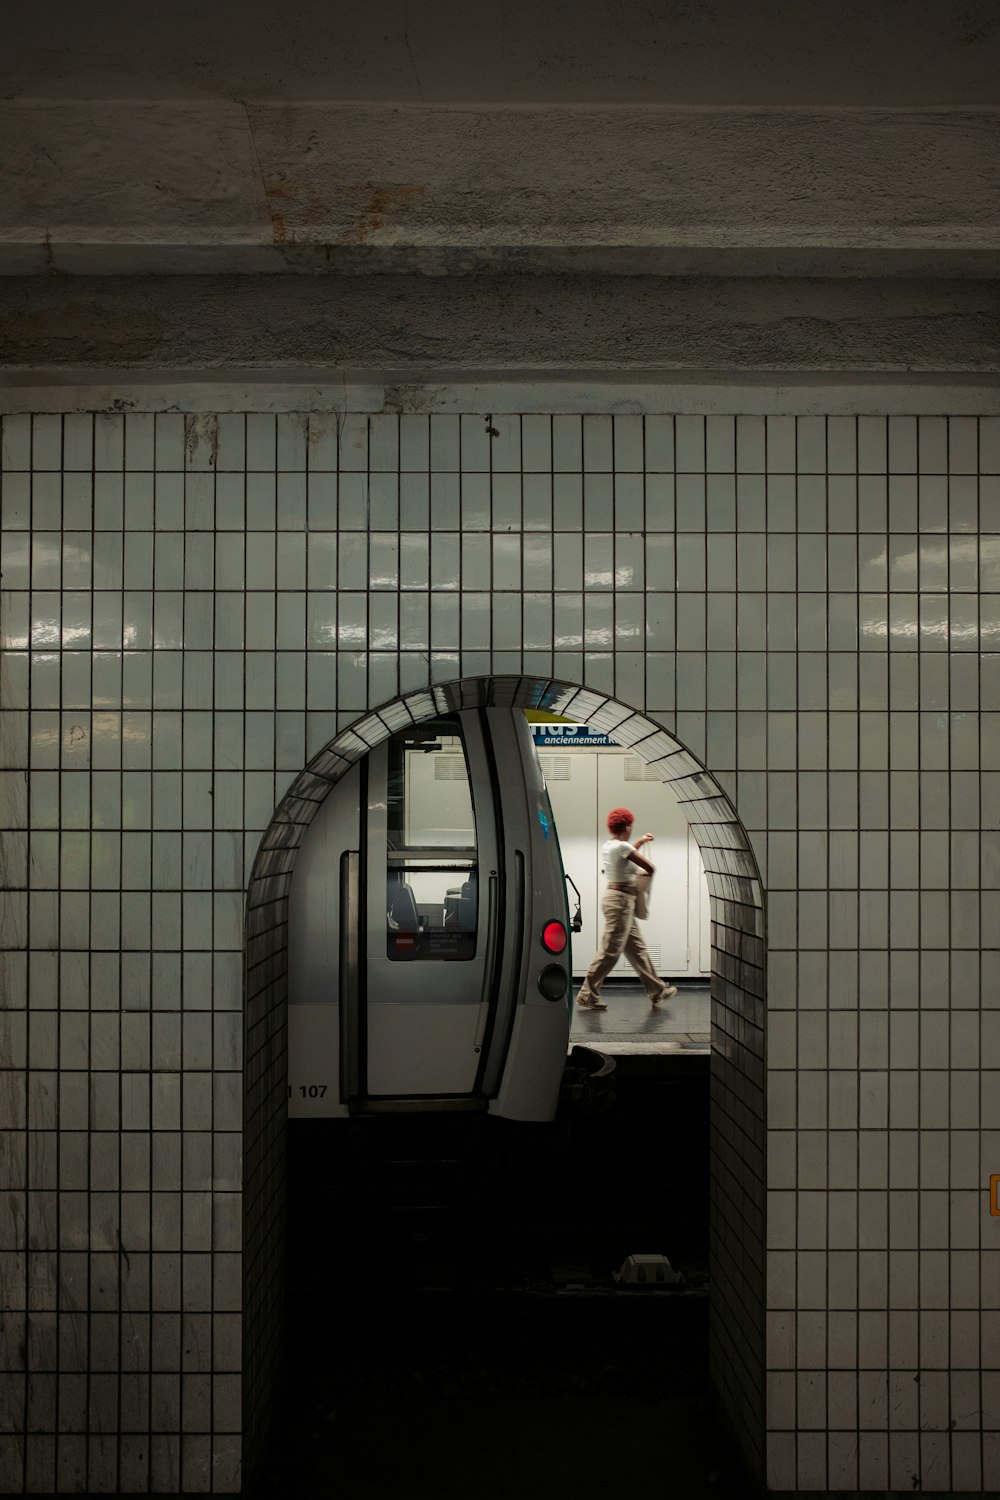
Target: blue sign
[(567, 737)]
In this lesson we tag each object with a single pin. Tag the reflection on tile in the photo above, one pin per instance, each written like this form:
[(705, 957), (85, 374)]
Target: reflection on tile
[(194, 605), (631, 1024)]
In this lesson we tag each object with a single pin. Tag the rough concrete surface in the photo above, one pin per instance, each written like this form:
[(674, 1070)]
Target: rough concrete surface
[(98, 186), (430, 328), (841, 52)]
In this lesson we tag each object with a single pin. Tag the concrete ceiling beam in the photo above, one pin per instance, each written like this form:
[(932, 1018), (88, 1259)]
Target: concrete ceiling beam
[(413, 328), (117, 187)]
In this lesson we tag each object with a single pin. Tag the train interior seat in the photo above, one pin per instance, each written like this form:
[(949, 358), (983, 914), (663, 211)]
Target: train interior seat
[(460, 906), (402, 914), (465, 916)]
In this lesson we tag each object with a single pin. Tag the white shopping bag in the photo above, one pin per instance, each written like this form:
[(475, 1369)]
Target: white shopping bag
[(643, 892)]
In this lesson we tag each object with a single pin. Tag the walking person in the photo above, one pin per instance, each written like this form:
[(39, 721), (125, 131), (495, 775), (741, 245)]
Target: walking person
[(621, 859)]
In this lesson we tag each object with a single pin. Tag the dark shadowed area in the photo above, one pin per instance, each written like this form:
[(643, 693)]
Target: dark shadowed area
[(455, 1326)]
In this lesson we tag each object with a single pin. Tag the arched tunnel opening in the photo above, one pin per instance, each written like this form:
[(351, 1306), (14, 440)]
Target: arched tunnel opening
[(439, 1218)]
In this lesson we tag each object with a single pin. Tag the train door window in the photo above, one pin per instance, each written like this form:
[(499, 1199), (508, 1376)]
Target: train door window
[(432, 873)]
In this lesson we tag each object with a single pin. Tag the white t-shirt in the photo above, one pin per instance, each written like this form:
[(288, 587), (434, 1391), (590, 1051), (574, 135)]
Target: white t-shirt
[(615, 861)]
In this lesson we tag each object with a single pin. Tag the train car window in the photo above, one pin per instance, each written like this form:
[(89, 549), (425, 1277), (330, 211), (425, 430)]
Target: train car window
[(432, 871)]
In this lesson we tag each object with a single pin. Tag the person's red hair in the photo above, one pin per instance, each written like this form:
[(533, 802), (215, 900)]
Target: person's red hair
[(619, 818)]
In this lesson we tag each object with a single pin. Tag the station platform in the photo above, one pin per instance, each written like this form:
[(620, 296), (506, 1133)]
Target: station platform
[(630, 1025)]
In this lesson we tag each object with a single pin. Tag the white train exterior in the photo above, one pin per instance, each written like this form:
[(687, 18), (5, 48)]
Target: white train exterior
[(429, 947)]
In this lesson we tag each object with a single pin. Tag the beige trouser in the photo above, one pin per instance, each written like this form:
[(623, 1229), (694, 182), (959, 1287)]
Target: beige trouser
[(621, 934)]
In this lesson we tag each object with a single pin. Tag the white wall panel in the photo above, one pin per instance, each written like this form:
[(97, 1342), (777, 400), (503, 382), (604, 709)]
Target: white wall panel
[(584, 785)]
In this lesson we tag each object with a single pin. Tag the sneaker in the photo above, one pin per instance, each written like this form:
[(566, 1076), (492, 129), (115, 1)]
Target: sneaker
[(593, 1004), (668, 994)]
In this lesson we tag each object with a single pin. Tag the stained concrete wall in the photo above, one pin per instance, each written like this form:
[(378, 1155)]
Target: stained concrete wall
[(98, 186), (411, 134)]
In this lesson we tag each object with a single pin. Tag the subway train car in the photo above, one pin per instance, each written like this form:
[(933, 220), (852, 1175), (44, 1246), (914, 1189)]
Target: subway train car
[(429, 947)]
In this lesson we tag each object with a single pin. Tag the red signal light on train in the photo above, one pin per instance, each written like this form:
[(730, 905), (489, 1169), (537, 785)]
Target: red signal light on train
[(554, 937)]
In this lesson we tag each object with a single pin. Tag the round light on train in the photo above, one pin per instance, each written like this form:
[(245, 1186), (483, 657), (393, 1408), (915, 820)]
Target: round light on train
[(552, 982), (554, 937)]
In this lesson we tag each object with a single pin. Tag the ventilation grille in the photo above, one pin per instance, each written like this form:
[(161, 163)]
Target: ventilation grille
[(449, 767), (556, 767), (654, 951), (637, 770)]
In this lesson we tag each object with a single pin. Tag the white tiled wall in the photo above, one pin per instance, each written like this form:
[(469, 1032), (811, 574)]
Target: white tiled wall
[(194, 607)]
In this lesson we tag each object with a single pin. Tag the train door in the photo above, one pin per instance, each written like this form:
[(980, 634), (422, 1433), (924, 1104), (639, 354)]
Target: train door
[(430, 918)]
